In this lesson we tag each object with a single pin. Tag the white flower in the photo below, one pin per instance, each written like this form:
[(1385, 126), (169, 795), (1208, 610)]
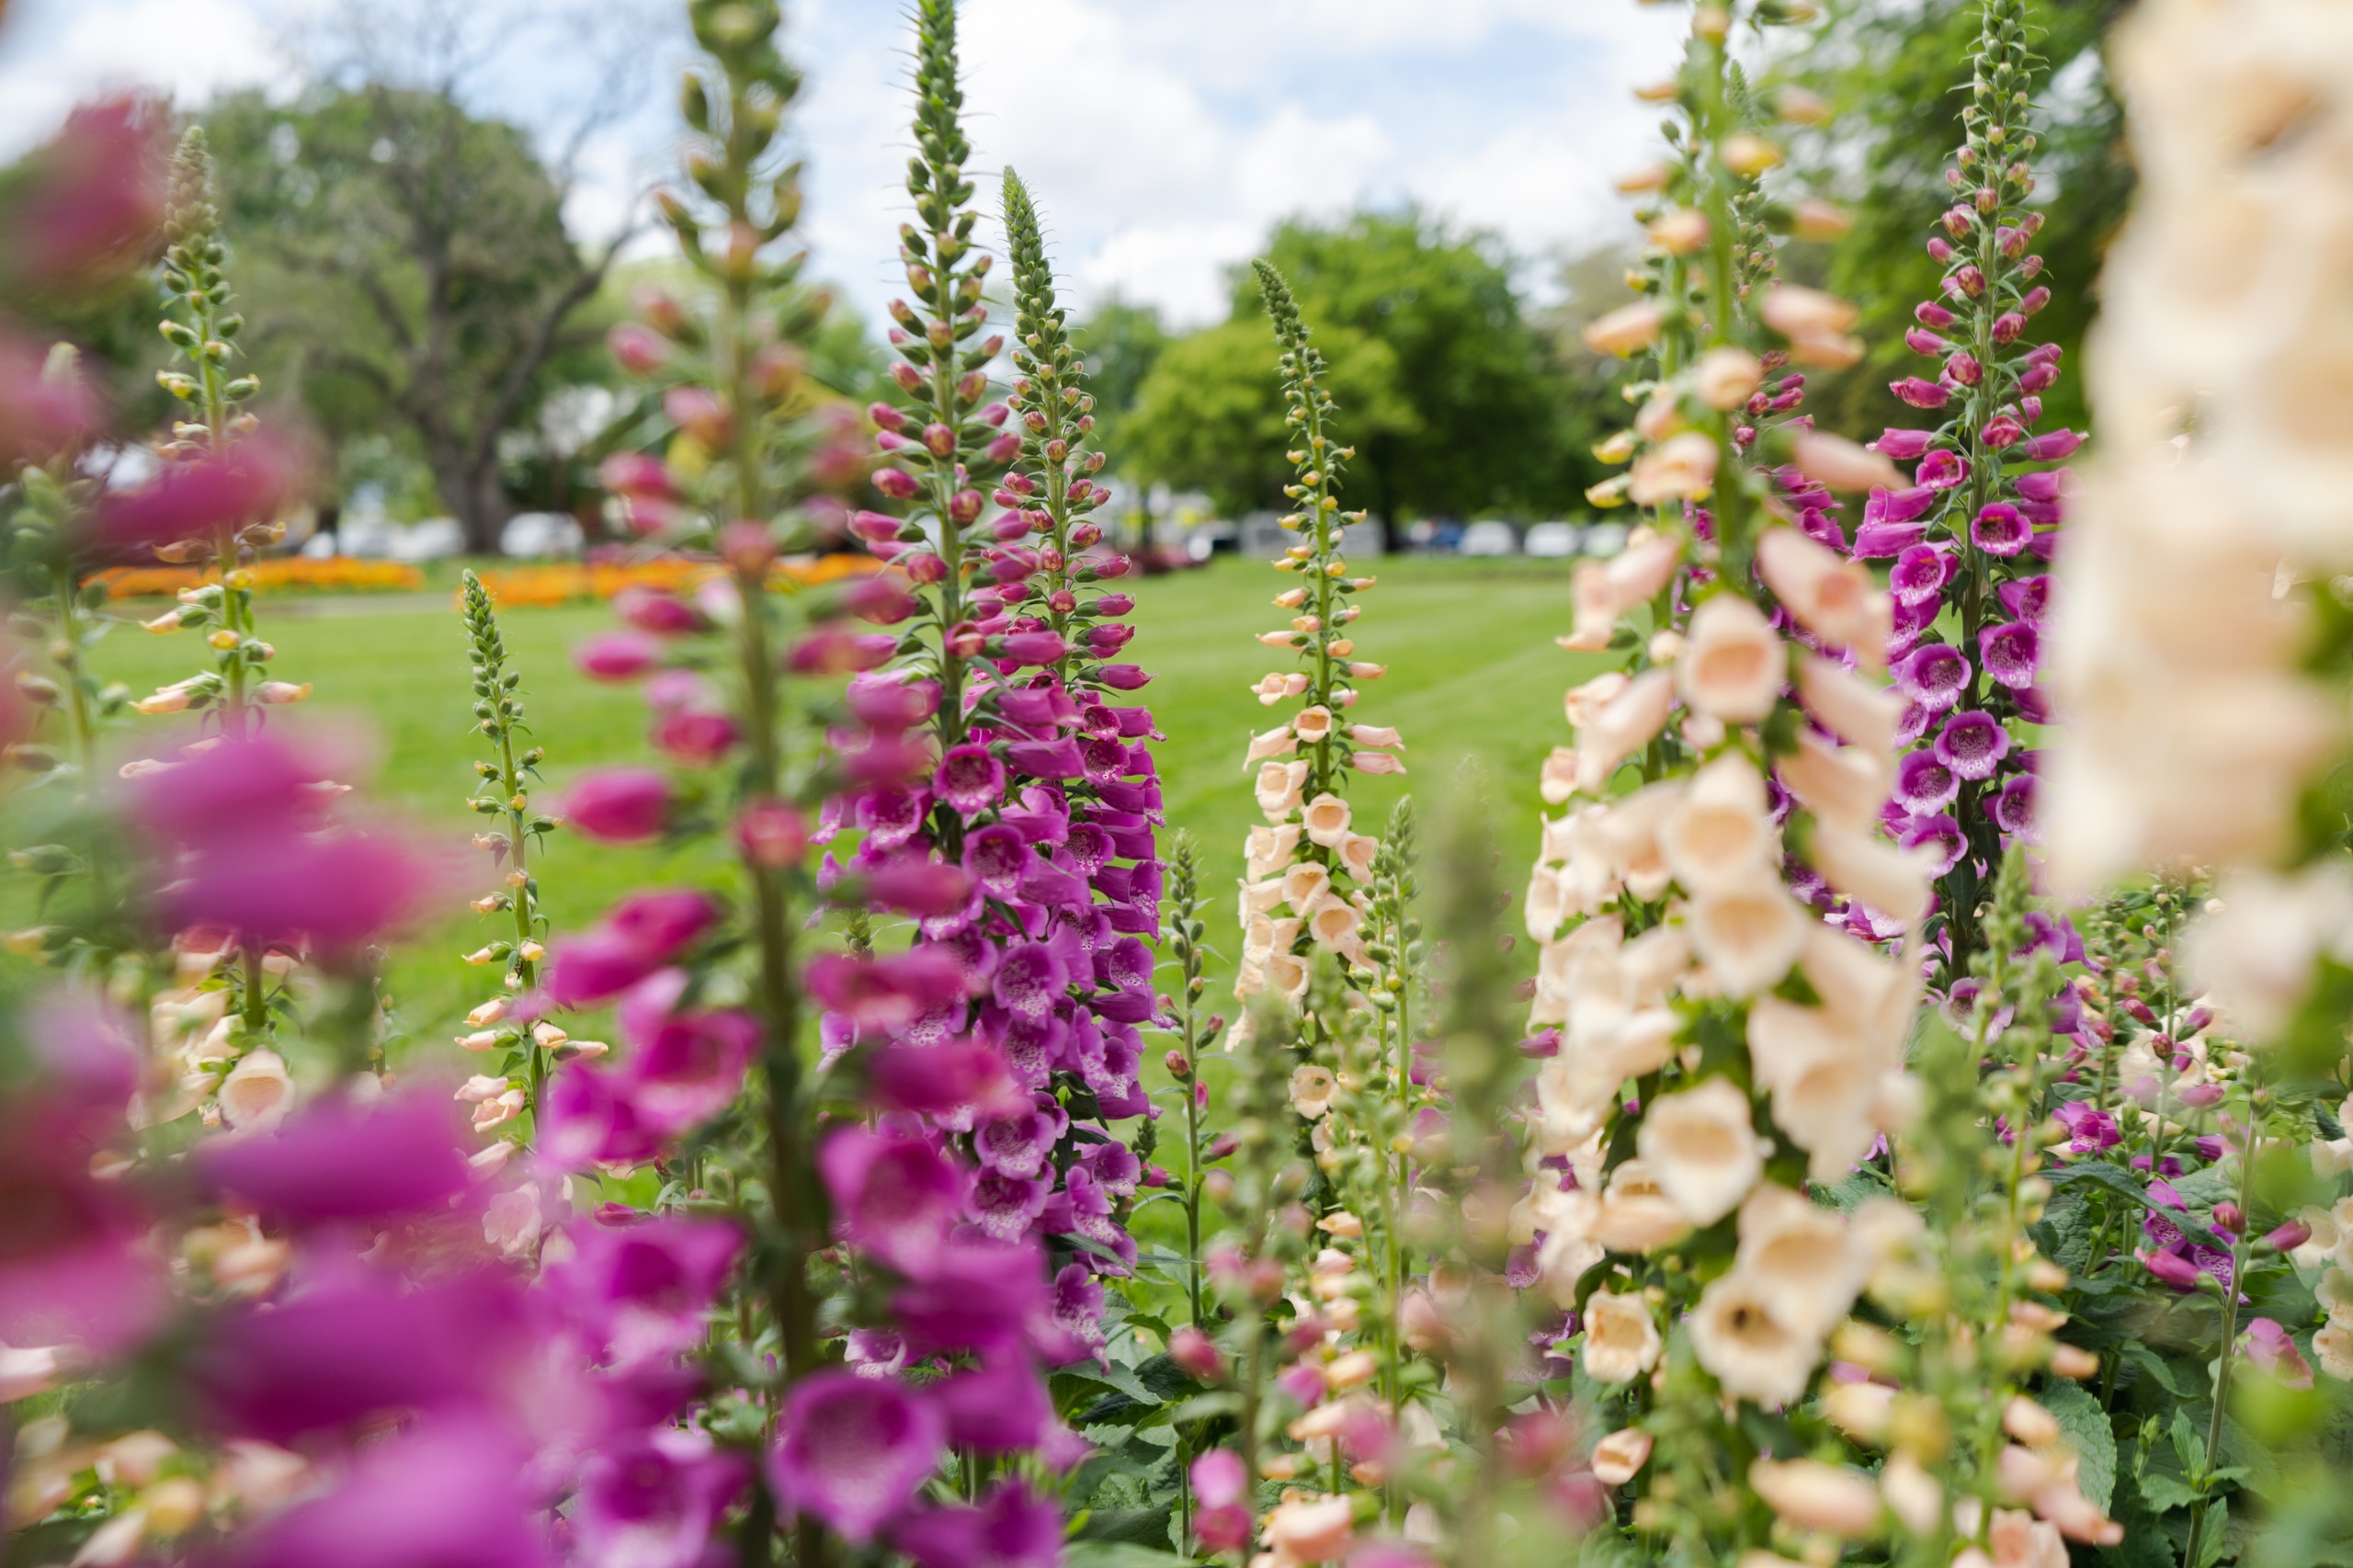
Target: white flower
[(1620, 727), (1603, 591), (1720, 834), (1860, 713), (1832, 597), (1304, 884), (1800, 1252), (1703, 1149), (1824, 1077), (1747, 933), (257, 1092), (1279, 788), (1357, 852), (1619, 1457), (1681, 467), (2255, 947), (1893, 882), (1629, 831), (1733, 664), (510, 1221), (1621, 1338), (1635, 1214), (1326, 818), (1333, 923), (2333, 1350), (1746, 1345), (1846, 785), (1266, 935), (1569, 1251), (1725, 376), (1816, 1496), (1313, 724), (1277, 741), (1259, 898), (1274, 687), (1268, 849)]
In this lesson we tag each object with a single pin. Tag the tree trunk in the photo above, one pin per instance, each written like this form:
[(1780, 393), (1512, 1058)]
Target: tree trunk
[(474, 496)]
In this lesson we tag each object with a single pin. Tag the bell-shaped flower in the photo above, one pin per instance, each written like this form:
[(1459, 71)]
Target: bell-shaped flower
[(1840, 464), (1681, 467), (1305, 885), (1312, 723), (1620, 727), (1858, 712), (1800, 1250), (1622, 1337), (1892, 881), (1269, 851), (1703, 1149), (894, 1195), (259, 1092), (1733, 664), (1719, 833), (1842, 784), (1631, 831), (1012, 1528), (1635, 1214), (1356, 853), (1749, 932), (1326, 819), (1832, 598), (1972, 743), (1742, 1340), (1277, 741), (1280, 788), (653, 1500), (642, 1292), (452, 1489), (1829, 1499), (851, 1452)]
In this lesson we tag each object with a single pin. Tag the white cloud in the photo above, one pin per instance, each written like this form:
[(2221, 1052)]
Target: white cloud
[(1163, 141)]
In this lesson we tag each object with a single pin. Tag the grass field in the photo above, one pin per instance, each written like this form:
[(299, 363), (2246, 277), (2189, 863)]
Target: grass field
[(1473, 674)]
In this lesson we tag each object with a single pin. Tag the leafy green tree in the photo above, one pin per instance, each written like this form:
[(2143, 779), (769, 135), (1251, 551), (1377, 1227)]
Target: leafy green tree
[(409, 270), (1452, 394), (1894, 72), (1123, 343)]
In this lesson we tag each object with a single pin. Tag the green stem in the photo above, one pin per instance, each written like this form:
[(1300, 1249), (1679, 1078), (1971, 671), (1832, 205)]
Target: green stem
[(2227, 1359)]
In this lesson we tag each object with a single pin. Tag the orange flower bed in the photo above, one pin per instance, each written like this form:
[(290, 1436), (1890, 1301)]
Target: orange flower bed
[(340, 574), (566, 585)]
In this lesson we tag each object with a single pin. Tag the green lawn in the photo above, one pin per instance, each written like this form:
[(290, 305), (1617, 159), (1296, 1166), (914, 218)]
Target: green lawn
[(1473, 672)]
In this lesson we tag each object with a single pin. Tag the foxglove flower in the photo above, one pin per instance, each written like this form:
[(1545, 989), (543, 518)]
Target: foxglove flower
[(852, 1451)]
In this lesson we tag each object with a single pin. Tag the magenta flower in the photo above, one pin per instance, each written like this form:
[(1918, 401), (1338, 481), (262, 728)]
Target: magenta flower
[(1933, 676), (640, 1290), (1940, 835), (587, 1115), (772, 835), (337, 1160), (886, 703), (2010, 653), (687, 1067), (886, 994), (1030, 979), (2001, 529), (1923, 783), (652, 1500), (1000, 1407), (251, 482), (851, 1451), (2273, 1349), (997, 857), (894, 1195), (2013, 805), (1222, 1515), (2089, 1130), (2171, 1268), (664, 922), (970, 780), (451, 1492), (1018, 1144), (973, 1295), (2026, 597), (1972, 744), (1942, 470), (1004, 1207), (618, 805), (693, 737), (276, 887), (353, 1344), (665, 615), (2050, 446), (1921, 573), (1073, 1328), (915, 885), (595, 966), (71, 1264), (615, 656), (1012, 1528), (1918, 393)]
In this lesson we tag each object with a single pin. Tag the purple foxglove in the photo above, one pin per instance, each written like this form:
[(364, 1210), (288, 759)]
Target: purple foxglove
[(452, 1489), (641, 1291), (1942, 470), (852, 1452), (2014, 806), (2000, 530), (1000, 1407), (2026, 597), (335, 1160), (896, 1196), (1939, 836), (1920, 574), (1012, 1528), (1972, 743), (2010, 653), (1923, 784), (654, 1500), (1933, 676)]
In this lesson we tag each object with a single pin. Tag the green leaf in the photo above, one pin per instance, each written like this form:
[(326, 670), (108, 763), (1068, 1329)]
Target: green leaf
[(2156, 1366), (1137, 1527), (2166, 1492), (1089, 1553), (2187, 1442), (2079, 1416)]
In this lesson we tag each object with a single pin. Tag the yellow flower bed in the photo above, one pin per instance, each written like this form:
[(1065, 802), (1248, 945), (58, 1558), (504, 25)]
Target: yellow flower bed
[(581, 584), (294, 574)]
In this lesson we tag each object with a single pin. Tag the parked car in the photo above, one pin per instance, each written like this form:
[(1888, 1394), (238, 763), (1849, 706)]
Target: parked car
[(1489, 537), (1551, 541), (539, 533), (1604, 539)]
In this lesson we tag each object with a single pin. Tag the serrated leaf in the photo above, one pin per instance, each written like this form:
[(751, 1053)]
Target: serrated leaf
[(2080, 1416), (2187, 1442), (2166, 1492), (2156, 1366), (1118, 1554)]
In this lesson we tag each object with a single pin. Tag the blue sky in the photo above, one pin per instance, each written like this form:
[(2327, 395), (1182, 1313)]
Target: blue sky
[(1163, 138)]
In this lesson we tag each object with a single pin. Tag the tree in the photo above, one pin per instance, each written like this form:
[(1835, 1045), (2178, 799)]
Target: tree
[(1893, 70), (1450, 393), (1122, 342), (408, 265)]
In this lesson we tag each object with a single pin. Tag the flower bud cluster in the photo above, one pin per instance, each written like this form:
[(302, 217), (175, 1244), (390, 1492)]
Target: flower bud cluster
[(1308, 871)]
